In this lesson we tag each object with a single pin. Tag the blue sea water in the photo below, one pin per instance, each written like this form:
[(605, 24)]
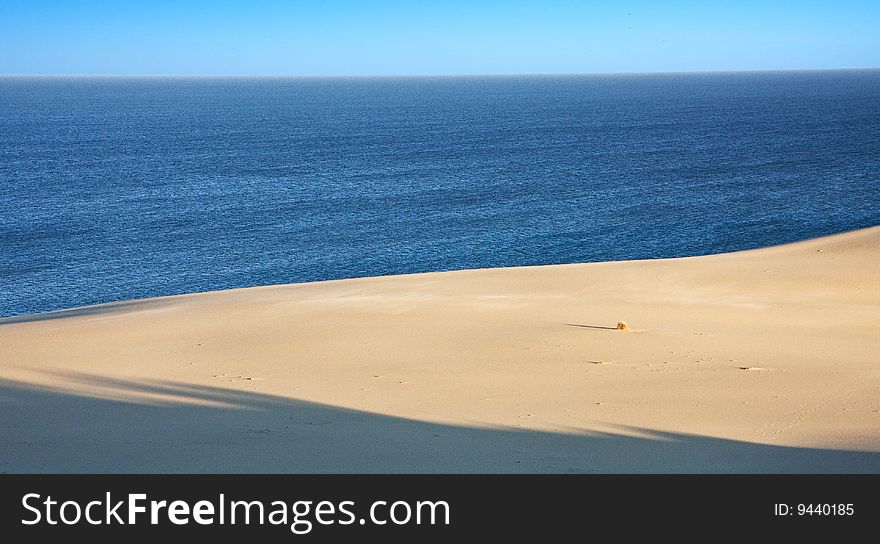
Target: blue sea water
[(115, 189)]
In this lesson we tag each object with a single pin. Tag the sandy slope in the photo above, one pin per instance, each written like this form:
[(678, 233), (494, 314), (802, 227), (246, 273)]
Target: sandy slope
[(764, 361)]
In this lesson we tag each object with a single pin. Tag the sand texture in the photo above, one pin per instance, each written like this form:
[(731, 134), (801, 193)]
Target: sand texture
[(759, 361)]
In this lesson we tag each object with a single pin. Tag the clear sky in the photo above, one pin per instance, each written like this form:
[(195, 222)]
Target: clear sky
[(391, 37)]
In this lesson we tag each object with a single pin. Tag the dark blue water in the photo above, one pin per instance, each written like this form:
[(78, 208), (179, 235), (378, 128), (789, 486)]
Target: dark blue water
[(115, 189)]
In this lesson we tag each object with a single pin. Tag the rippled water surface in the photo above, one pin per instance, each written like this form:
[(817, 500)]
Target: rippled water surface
[(114, 189)]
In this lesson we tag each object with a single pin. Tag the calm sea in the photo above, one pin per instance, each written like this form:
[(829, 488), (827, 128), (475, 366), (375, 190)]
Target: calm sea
[(114, 189)]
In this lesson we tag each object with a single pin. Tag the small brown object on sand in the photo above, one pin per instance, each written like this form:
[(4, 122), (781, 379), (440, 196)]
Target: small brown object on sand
[(622, 326)]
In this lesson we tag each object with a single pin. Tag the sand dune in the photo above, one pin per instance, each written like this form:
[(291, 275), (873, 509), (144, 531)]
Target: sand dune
[(759, 361)]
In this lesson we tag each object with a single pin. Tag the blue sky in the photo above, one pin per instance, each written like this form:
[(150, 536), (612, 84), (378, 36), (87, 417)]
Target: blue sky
[(387, 37)]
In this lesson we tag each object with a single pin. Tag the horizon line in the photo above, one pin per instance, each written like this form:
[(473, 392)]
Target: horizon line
[(451, 75)]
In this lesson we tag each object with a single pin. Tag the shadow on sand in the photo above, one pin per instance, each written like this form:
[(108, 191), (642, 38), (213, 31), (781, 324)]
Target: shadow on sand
[(598, 327), (122, 426)]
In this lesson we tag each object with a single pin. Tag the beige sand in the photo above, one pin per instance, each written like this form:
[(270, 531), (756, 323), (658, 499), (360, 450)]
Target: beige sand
[(760, 361)]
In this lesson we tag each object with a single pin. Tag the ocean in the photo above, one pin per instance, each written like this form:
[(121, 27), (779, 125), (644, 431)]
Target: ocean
[(123, 188)]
